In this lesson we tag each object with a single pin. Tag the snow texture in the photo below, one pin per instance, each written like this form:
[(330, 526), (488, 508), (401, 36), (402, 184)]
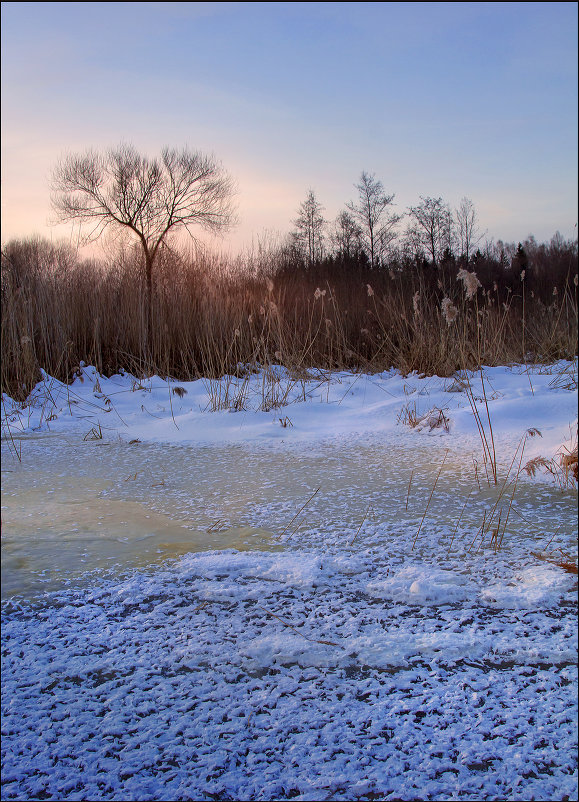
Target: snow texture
[(347, 665)]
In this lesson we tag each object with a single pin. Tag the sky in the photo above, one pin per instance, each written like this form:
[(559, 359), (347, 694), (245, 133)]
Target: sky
[(435, 99)]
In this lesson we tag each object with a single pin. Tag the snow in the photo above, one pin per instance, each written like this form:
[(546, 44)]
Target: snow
[(322, 406), (327, 658)]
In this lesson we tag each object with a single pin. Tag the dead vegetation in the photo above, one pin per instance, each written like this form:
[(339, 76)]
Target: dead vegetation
[(213, 314), (562, 467), (435, 418)]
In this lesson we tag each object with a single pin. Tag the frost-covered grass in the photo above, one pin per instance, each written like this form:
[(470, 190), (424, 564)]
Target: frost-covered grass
[(348, 664)]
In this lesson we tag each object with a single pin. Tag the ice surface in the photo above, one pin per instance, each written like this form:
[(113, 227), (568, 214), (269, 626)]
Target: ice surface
[(285, 654)]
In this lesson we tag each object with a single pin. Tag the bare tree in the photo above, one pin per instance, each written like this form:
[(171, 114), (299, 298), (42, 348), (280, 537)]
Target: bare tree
[(376, 224), (431, 227), (150, 198), (347, 235), (309, 233), (468, 231), (26, 260)]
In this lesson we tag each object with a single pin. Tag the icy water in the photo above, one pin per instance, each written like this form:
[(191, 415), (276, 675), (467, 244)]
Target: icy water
[(322, 659), (73, 510)]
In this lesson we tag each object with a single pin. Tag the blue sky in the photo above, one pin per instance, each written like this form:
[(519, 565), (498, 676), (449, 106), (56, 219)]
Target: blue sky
[(439, 99)]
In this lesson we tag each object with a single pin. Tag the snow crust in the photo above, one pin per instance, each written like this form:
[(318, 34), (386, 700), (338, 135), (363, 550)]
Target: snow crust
[(263, 676), (347, 665), (252, 409)]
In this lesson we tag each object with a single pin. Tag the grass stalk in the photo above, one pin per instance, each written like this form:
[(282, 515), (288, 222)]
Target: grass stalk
[(429, 499), (408, 491), (513, 493), (361, 524), (301, 634), (298, 512), (457, 523)]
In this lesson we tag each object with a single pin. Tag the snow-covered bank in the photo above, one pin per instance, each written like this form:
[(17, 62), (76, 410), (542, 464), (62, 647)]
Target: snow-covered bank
[(272, 406), (384, 653)]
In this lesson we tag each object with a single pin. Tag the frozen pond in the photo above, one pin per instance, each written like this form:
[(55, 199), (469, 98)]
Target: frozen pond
[(308, 655), (75, 509), (72, 510), (287, 604)]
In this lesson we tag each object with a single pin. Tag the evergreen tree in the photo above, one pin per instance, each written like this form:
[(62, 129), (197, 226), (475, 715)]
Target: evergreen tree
[(520, 260)]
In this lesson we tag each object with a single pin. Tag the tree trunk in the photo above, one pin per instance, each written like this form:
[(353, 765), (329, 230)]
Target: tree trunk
[(148, 306)]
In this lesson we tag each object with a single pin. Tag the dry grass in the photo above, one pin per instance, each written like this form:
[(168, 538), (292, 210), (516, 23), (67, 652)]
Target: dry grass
[(214, 317), (297, 514), (297, 631), (569, 463), (562, 467), (435, 418), (429, 499), (559, 558)]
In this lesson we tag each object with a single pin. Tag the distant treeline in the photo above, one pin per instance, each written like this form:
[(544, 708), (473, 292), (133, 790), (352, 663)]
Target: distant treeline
[(544, 267), (342, 306)]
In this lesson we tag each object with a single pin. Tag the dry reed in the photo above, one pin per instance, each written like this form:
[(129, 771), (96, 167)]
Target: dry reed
[(214, 317)]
